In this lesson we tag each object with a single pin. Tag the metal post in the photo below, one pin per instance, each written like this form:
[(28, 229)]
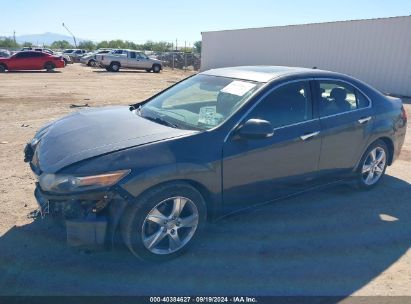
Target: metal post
[(185, 55), (74, 38), (172, 56)]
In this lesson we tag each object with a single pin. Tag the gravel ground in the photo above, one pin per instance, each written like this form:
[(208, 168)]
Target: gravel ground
[(336, 241)]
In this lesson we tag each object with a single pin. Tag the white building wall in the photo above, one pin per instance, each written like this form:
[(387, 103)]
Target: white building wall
[(377, 51)]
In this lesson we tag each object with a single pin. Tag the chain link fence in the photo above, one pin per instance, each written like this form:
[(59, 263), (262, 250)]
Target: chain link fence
[(174, 60), (178, 60)]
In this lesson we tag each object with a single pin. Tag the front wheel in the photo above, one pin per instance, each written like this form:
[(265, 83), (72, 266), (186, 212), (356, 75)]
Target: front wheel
[(156, 68), (372, 165), (164, 221), (2, 68)]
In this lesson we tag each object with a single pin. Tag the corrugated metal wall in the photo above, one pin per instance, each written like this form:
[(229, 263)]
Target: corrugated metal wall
[(377, 51)]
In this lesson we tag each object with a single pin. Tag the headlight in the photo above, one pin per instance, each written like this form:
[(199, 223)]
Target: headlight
[(68, 183)]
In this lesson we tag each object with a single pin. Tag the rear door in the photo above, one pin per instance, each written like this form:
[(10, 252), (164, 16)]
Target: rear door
[(37, 60), (345, 118), (259, 170)]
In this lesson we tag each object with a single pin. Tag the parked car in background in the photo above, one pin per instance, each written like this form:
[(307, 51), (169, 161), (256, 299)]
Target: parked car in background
[(131, 59), (90, 58), (220, 141), (75, 54), (31, 60), (66, 58), (5, 53)]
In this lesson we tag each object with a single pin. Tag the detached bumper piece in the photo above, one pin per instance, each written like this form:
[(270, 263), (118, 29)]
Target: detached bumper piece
[(86, 233), (85, 216)]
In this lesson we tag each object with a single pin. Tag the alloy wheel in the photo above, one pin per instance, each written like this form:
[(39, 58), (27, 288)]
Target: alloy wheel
[(374, 166), (170, 225)]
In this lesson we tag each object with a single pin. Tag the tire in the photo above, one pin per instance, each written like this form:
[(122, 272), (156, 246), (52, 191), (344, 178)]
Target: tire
[(115, 67), (2, 68), (148, 70), (372, 166), (156, 68), (108, 69), (65, 61), (49, 66), (92, 63), (153, 239)]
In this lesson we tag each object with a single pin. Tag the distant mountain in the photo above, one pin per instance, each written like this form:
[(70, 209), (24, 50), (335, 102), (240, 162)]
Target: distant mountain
[(46, 38)]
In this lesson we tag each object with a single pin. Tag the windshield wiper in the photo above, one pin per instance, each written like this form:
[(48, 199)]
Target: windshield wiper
[(159, 120)]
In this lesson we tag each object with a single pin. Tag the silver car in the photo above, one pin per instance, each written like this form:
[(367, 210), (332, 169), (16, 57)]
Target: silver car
[(131, 59)]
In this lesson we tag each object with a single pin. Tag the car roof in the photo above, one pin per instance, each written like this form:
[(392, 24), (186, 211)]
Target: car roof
[(266, 73)]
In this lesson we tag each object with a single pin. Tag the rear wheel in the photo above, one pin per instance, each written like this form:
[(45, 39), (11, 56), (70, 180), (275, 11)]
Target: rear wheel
[(373, 165), (115, 67), (49, 66), (108, 69), (2, 68), (164, 221)]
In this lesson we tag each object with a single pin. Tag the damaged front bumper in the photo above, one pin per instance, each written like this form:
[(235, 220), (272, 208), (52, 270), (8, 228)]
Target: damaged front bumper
[(90, 218)]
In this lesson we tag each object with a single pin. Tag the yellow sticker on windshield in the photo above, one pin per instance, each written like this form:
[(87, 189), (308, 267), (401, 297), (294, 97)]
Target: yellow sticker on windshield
[(239, 88)]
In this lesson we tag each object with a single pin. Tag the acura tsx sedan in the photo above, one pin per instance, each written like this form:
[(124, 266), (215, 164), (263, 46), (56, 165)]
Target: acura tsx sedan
[(152, 174)]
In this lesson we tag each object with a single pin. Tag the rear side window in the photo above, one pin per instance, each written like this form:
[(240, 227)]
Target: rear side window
[(133, 55), (336, 97), (38, 54), (286, 105), (362, 101)]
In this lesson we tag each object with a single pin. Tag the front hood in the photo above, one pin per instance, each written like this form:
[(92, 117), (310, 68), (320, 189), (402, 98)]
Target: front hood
[(94, 132)]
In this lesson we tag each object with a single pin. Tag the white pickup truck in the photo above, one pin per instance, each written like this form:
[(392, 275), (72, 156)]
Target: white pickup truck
[(130, 59)]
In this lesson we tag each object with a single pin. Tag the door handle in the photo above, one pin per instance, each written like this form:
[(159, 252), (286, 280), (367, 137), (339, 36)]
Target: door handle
[(309, 135), (364, 120)]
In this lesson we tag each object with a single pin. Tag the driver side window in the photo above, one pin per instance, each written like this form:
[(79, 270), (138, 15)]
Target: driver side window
[(286, 105)]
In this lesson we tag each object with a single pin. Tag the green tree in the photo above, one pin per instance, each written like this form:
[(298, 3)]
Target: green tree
[(8, 43), (87, 45), (27, 44), (61, 44), (197, 46)]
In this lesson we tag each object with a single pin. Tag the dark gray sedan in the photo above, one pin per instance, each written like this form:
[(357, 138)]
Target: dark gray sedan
[(215, 143)]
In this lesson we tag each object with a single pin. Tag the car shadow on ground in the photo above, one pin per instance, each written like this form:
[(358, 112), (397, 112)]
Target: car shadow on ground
[(121, 71), (33, 72), (328, 242)]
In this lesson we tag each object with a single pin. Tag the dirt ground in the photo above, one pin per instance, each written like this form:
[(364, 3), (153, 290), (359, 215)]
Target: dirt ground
[(336, 241)]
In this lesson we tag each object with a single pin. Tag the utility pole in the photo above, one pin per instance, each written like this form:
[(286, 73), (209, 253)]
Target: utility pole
[(176, 45), (185, 55), (14, 36), (74, 38)]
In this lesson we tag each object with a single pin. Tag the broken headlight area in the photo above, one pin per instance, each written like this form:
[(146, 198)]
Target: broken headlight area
[(58, 183)]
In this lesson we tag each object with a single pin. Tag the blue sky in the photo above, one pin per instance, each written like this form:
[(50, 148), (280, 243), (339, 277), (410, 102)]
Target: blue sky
[(182, 19)]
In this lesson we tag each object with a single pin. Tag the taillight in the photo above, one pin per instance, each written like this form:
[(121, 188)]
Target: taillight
[(404, 113)]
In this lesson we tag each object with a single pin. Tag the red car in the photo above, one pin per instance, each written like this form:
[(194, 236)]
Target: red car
[(31, 60)]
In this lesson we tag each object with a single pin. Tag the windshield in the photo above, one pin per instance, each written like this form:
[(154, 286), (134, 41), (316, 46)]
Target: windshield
[(201, 102)]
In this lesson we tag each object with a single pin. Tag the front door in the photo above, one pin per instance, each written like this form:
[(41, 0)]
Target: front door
[(259, 170)]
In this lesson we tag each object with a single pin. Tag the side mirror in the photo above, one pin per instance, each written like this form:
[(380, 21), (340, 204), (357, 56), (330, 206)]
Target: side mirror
[(256, 129)]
